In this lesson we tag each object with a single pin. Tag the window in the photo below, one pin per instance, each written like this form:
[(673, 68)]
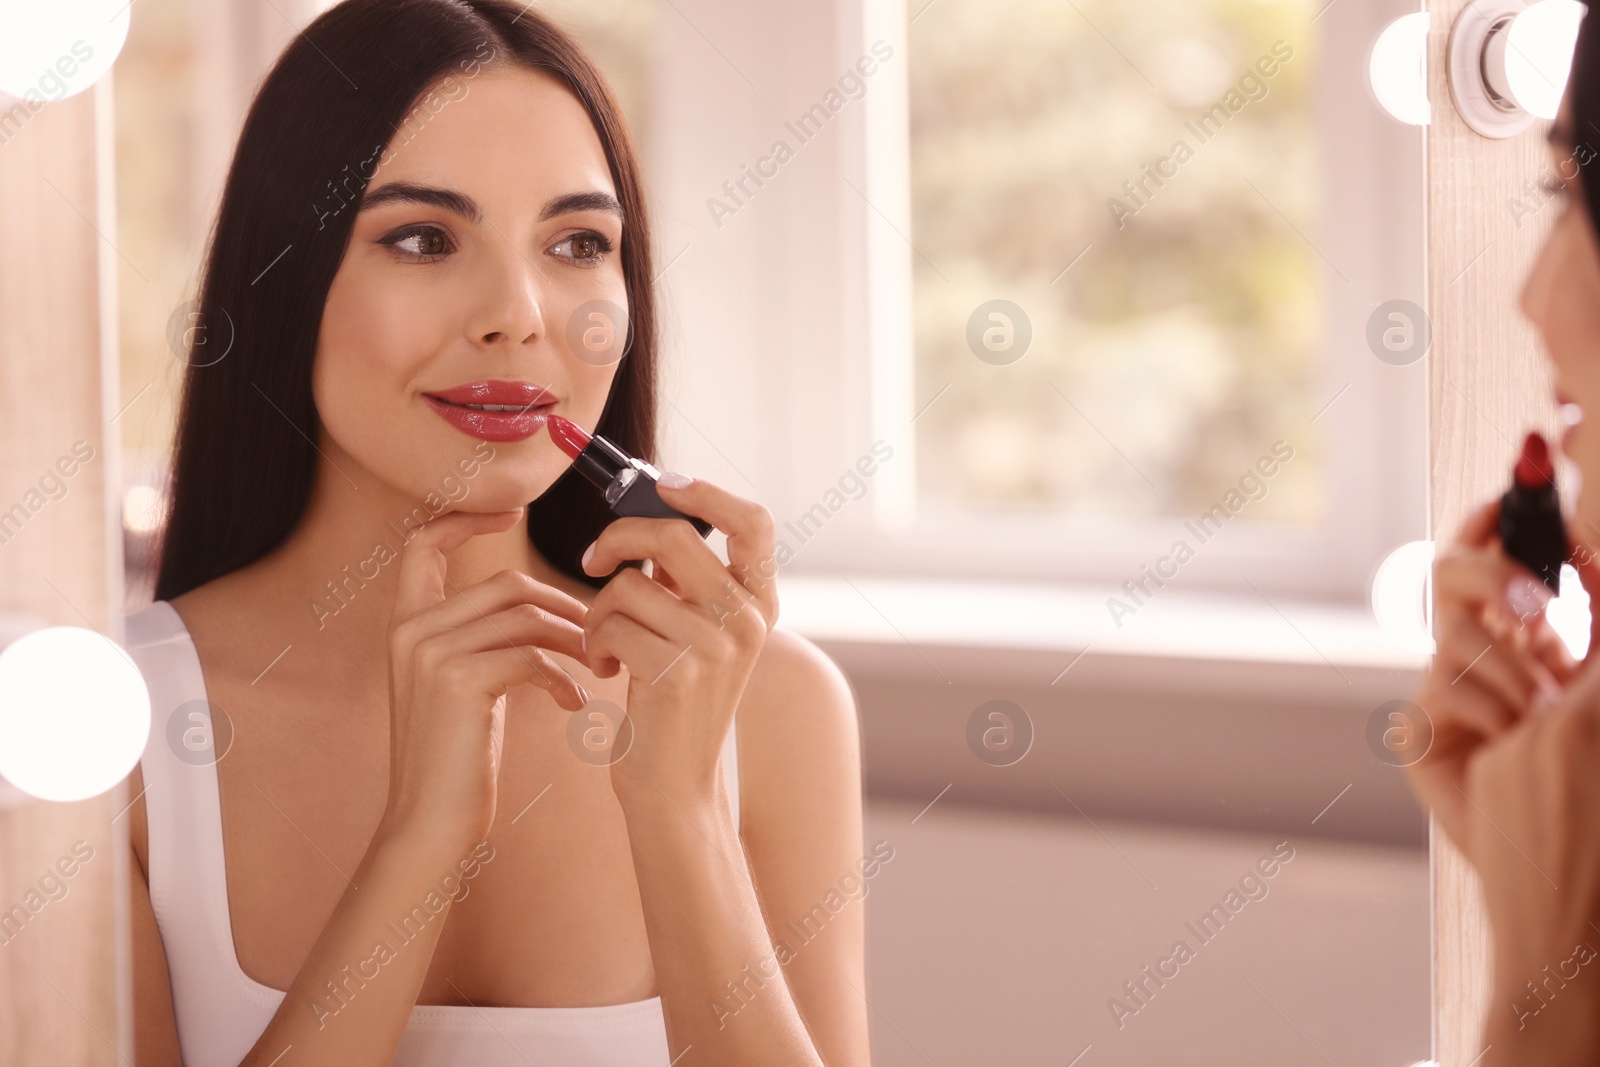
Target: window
[(1187, 213), (1147, 212)]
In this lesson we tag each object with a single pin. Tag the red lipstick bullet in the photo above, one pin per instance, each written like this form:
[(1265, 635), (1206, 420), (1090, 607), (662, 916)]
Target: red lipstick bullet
[(628, 484), (1531, 528)]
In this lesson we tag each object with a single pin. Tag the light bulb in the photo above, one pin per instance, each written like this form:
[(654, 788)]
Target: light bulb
[(1538, 54), (1400, 596), (74, 713), (1568, 613), (1398, 69), (53, 49)]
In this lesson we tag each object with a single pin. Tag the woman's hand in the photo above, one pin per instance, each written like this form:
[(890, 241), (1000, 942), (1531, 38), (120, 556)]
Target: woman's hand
[(1511, 777), (1496, 652), (1532, 831), (689, 636), (452, 659)]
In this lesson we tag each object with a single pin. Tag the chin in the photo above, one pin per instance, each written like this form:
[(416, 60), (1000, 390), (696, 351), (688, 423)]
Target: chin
[(510, 487)]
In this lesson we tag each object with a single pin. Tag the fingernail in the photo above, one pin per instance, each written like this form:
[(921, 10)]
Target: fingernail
[(584, 693), (588, 554), (674, 480), (1527, 595)]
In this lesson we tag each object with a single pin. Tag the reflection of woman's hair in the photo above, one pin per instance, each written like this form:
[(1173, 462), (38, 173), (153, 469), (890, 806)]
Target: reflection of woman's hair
[(339, 97), (1586, 111)]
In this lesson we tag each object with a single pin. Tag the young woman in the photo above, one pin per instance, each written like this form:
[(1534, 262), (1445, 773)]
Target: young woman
[(1511, 774), (373, 824)]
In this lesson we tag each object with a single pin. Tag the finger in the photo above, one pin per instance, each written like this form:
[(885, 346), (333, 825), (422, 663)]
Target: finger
[(672, 543), (647, 602), (499, 592), (1472, 579), (1464, 709), (504, 668), (421, 583), (1481, 527), (647, 655), (1487, 664), (751, 536), (521, 624), (1585, 686)]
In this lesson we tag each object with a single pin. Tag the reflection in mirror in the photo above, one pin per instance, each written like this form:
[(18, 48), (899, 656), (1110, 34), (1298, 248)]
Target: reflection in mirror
[(1053, 378)]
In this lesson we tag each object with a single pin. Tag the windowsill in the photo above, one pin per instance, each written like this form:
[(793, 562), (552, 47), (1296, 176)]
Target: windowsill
[(968, 630)]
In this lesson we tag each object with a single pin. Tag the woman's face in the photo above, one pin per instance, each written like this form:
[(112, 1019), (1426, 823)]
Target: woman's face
[(1562, 299), (488, 230)]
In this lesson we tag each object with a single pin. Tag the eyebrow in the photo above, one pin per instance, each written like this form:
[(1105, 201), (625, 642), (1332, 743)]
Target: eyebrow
[(466, 207)]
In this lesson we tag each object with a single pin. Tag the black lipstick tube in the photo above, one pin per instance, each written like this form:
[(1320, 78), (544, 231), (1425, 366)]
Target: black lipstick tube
[(628, 484), (1532, 531)]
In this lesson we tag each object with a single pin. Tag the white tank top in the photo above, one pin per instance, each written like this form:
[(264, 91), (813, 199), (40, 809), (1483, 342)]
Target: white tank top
[(221, 1010)]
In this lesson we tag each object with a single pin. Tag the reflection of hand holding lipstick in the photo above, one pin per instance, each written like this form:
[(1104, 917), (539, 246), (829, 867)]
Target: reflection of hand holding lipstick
[(1531, 528), (628, 484)]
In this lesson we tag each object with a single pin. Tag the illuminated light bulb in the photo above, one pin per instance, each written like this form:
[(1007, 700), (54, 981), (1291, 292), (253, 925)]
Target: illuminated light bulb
[(1537, 55), (1509, 61), (1568, 613), (1400, 596), (74, 713), (53, 49), (143, 509), (1397, 69)]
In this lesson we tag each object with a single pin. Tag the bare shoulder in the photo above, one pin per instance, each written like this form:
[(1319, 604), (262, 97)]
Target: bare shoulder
[(798, 733), (797, 695)]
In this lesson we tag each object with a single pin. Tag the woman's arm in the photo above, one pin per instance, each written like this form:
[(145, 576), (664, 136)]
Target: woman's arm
[(1533, 833), (800, 803), (797, 960), (1509, 773), (691, 635), (155, 1027)]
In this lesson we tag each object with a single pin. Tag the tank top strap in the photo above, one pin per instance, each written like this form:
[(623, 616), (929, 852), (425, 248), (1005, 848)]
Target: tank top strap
[(188, 882)]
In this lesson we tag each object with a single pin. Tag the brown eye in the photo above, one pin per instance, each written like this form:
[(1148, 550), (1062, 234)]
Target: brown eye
[(431, 243), (422, 243), (587, 249)]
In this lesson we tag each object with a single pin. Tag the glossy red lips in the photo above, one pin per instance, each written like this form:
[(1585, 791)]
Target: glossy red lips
[(494, 410)]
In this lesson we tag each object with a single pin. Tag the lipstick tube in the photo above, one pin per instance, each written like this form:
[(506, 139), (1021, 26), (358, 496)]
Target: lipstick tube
[(627, 483), (1531, 528)]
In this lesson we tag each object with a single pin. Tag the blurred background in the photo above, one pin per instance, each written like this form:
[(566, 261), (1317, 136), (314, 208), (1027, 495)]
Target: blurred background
[(1085, 270)]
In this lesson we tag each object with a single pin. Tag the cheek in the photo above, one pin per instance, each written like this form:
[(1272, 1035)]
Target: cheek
[(1562, 300), (373, 335), (587, 318), (373, 342)]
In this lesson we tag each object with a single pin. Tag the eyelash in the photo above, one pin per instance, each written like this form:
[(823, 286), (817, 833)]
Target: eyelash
[(601, 241), (393, 240)]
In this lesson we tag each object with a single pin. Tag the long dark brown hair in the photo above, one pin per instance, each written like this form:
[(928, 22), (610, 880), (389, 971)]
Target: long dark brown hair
[(1585, 89), (244, 460)]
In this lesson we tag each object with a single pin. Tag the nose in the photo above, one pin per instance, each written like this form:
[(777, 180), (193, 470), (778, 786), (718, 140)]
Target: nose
[(508, 307), (1536, 287)]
